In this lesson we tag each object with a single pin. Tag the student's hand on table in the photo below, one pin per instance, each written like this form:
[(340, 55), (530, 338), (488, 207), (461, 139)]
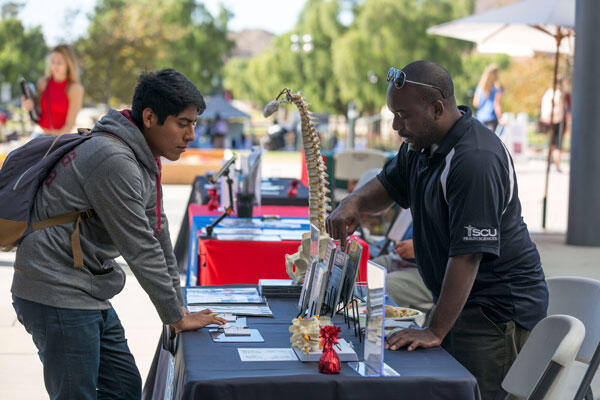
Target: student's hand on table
[(343, 221), (405, 249), (197, 320), (413, 338)]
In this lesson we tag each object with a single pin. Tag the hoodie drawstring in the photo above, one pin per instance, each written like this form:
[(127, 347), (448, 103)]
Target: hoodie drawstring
[(157, 217)]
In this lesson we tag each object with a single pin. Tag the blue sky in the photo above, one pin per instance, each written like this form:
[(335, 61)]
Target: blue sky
[(276, 16)]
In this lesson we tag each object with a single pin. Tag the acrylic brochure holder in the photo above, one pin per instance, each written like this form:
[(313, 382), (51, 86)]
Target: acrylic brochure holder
[(373, 364), (305, 295)]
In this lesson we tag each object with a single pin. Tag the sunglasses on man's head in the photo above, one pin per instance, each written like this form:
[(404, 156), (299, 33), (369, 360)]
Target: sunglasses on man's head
[(398, 77)]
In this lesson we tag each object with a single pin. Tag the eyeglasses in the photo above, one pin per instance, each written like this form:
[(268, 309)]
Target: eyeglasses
[(399, 78)]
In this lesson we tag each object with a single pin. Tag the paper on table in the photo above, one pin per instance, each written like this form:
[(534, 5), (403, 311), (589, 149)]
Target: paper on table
[(241, 321), (236, 331), (242, 309), (267, 354), (229, 295), (237, 231), (275, 282), (247, 238)]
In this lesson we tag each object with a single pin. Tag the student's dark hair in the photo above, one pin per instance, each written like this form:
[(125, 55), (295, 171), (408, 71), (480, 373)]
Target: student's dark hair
[(166, 92), (432, 74)]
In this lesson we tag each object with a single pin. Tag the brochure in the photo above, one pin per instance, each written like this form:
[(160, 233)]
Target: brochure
[(267, 354), (354, 254), (376, 285), (373, 364), (247, 310), (336, 274), (224, 296), (317, 291), (218, 335), (306, 286)]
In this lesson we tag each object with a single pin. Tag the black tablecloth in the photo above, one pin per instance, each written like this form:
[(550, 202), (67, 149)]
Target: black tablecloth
[(202, 369)]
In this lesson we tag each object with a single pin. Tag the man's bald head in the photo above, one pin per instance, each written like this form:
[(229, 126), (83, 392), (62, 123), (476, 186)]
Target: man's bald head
[(432, 74)]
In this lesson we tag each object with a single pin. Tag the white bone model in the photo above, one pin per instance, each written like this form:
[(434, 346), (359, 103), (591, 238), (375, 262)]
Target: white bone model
[(319, 203)]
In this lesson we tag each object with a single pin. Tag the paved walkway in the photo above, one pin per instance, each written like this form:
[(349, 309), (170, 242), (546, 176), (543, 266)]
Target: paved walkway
[(20, 369)]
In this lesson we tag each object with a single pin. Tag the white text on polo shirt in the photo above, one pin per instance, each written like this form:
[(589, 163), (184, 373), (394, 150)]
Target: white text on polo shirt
[(480, 233)]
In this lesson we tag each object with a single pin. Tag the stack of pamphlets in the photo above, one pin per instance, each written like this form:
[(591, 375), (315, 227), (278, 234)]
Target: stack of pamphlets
[(279, 288), (238, 301)]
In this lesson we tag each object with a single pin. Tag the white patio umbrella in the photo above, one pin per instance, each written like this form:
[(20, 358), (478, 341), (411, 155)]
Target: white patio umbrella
[(520, 28)]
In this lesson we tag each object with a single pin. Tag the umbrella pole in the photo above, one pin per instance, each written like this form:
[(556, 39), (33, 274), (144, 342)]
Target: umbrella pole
[(559, 37)]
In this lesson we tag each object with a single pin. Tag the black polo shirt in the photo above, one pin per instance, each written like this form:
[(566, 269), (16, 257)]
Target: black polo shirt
[(464, 200)]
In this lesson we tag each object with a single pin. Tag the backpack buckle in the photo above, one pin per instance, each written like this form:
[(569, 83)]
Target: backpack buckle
[(84, 131)]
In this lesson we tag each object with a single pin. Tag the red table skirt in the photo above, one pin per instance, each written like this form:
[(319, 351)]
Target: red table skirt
[(223, 262)]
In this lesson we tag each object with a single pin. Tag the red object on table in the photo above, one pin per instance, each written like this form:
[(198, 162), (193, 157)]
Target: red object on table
[(330, 361), (293, 192), (224, 262), (213, 203)]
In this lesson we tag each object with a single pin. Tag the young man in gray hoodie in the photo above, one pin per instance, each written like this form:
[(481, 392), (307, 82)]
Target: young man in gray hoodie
[(80, 339)]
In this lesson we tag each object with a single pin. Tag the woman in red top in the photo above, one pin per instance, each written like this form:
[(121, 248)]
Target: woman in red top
[(61, 93)]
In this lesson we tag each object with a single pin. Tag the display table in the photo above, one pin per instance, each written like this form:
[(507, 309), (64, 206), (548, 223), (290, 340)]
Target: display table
[(274, 192), (202, 369), (219, 262)]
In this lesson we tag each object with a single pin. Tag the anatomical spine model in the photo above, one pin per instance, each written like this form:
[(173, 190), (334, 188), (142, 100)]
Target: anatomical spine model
[(319, 203), (306, 333)]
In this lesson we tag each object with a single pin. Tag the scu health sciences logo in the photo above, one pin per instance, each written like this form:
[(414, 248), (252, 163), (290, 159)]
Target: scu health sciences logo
[(480, 234)]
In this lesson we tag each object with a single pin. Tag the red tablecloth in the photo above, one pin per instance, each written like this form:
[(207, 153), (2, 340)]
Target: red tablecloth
[(222, 262)]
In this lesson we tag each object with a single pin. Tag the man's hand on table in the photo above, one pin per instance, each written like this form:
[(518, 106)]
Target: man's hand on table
[(196, 320), (413, 338), (344, 220)]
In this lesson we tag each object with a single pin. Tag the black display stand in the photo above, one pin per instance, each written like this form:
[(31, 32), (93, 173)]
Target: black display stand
[(224, 172)]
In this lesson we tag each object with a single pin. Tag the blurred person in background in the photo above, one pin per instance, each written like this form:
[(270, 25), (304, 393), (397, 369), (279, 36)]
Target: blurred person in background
[(556, 127), (60, 94), (488, 98), (219, 132)]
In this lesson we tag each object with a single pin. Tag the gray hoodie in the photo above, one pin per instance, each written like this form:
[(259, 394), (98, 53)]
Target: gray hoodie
[(119, 182)]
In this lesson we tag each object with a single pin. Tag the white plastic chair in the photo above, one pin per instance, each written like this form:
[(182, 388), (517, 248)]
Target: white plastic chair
[(351, 164), (541, 368), (580, 298), (367, 176)]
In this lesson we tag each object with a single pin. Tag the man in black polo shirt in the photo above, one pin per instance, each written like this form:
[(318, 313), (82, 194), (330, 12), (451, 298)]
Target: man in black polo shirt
[(472, 246)]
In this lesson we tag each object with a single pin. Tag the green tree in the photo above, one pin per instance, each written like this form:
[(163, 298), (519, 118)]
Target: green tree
[(200, 51), (389, 33), (127, 37), (22, 51), (300, 64)]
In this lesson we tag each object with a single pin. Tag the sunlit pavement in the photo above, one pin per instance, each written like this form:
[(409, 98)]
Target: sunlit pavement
[(20, 368)]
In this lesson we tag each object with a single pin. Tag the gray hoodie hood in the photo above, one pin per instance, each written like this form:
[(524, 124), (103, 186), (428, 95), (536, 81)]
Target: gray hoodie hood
[(115, 123)]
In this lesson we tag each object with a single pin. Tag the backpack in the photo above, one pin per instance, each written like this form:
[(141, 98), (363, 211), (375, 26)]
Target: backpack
[(21, 175)]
